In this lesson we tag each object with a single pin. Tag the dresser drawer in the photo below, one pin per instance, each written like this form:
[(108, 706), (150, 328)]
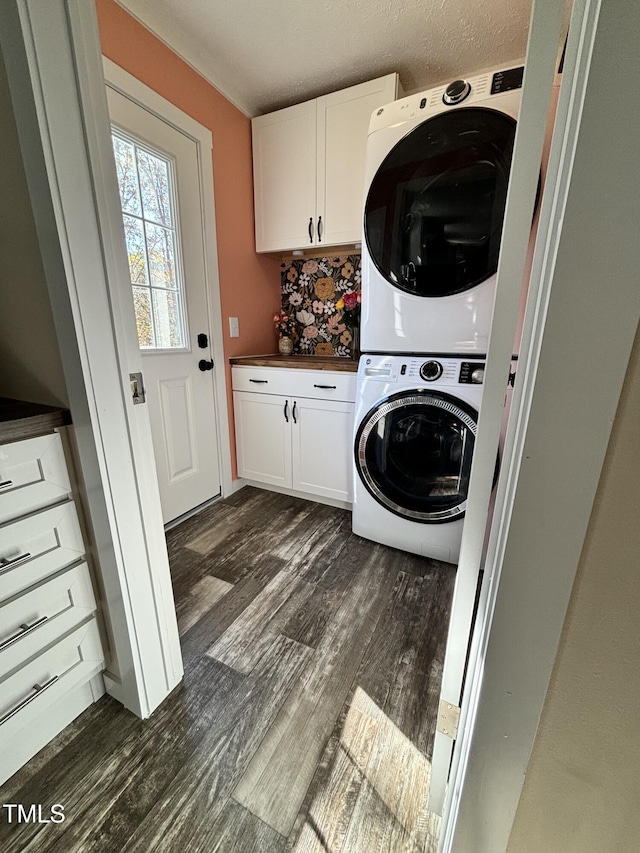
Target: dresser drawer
[(28, 691), (33, 474), (35, 547), (314, 384), (37, 618)]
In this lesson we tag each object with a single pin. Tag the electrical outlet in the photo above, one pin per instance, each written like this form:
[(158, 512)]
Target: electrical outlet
[(234, 327)]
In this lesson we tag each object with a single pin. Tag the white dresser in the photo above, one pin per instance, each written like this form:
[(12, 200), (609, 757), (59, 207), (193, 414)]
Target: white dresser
[(51, 653)]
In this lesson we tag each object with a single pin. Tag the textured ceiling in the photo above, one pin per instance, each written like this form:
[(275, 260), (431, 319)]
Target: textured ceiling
[(267, 55)]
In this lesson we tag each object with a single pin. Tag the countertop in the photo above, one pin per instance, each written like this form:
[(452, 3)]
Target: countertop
[(304, 362), (19, 419)]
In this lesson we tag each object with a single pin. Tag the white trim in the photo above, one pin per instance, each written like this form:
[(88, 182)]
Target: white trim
[(53, 65), (183, 58), (544, 38), (130, 87), (294, 493), (542, 519)]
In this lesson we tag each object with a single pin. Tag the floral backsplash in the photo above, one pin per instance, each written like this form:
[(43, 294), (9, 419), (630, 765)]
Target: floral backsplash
[(310, 290)]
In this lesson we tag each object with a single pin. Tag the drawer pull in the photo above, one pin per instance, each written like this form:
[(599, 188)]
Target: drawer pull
[(260, 381), (39, 688), (10, 564), (24, 630), (293, 412), (286, 411), (5, 484), (333, 387)]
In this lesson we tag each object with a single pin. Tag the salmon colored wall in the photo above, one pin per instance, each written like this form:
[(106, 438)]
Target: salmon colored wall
[(249, 283)]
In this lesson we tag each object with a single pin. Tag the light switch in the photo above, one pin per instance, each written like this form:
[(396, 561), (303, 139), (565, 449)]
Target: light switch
[(234, 327)]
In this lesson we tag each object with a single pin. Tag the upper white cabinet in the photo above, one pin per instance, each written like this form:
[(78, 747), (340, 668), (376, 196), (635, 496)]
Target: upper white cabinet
[(308, 168)]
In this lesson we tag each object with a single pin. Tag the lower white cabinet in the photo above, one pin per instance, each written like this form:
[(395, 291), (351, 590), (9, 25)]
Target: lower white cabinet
[(291, 440)]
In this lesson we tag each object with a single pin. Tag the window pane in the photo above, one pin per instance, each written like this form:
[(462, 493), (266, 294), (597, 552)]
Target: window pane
[(161, 253), (154, 183), (127, 177), (167, 319), (134, 234), (142, 305), (147, 193)]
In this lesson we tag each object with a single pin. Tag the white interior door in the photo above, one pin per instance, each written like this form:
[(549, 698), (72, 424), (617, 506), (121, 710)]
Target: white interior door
[(159, 182)]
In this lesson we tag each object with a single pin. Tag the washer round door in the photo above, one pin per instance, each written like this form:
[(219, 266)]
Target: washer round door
[(413, 453), (434, 211)]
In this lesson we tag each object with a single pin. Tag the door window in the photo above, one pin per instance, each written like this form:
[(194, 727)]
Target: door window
[(413, 453), (146, 182), (434, 212)]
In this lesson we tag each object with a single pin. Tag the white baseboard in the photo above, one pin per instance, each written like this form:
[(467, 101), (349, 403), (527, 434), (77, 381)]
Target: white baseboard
[(319, 499)]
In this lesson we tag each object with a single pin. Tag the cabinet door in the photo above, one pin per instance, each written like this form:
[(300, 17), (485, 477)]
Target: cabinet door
[(284, 177), (263, 437), (322, 439), (343, 124)]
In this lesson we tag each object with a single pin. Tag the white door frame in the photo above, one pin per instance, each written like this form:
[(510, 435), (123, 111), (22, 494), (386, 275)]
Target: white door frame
[(565, 379), (146, 98), (542, 54), (52, 53)]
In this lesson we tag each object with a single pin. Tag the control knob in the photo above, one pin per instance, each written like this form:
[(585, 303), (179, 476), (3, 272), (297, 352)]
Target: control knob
[(456, 92), (477, 376), (431, 370)]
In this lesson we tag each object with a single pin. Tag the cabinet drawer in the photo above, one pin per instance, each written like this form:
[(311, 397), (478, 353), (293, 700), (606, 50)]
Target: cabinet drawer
[(33, 474), (314, 384), (37, 618), (28, 691), (35, 547)]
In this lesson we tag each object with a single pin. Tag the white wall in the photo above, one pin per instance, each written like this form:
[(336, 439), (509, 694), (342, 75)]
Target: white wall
[(30, 365), (582, 787)]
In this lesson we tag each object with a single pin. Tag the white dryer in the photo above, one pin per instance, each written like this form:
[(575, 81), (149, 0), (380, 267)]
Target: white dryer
[(415, 427), (436, 176)]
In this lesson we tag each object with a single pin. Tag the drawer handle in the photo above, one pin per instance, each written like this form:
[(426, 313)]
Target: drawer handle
[(286, 411), (260, 381), (10, 564), (295, 405), (5, 484), (24, 630), (39, 688), (326, 386), (311, 229)]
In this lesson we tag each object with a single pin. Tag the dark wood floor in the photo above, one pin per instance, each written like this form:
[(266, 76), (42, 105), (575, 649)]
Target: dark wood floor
[(306, 718)]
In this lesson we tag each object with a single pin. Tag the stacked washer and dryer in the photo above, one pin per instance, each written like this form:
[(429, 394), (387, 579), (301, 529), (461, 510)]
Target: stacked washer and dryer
[(437, 172)]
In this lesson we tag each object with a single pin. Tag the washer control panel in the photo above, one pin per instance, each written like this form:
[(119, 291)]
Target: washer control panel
[(431, 370), (471, 373)]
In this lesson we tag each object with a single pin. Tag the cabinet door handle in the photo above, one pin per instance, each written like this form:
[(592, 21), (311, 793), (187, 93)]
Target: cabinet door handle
[(10, 564), (5, 484), (39, 688), (260, 381), (24, 630), (286, 411), (319, 229), (294, 412), (311, 229), (333, 387)]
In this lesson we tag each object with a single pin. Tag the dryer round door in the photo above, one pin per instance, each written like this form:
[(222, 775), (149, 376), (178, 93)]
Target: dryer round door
[(434, 211), (413, 453)]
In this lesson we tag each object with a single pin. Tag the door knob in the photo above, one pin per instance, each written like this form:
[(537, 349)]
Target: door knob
[(203, 364)]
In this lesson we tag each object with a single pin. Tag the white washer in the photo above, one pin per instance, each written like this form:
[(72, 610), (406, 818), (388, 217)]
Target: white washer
[(414, 434), (436, 176)]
